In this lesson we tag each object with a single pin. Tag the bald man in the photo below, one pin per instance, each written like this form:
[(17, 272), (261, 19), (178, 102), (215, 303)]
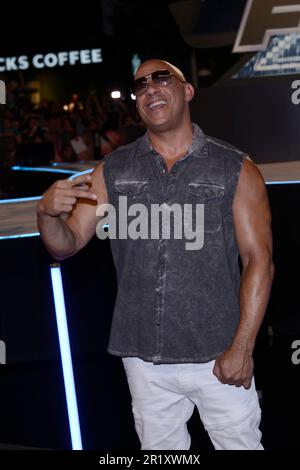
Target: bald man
[(185, 321)]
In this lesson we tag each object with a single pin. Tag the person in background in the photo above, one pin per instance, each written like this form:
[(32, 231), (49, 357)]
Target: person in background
[(111, 136), (33, 133)]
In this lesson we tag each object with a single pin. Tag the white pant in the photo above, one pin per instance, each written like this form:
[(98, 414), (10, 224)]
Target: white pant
[(163, 400)]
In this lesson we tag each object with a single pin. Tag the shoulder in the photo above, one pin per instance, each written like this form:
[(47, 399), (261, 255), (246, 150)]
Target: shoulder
[(236, 161), (239, 163), (124, 151), (251, 178), (222, 146)]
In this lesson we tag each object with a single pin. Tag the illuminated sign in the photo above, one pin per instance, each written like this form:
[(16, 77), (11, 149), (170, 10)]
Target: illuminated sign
[(2, 93), (280, 58), (50, 60), (262, 20)]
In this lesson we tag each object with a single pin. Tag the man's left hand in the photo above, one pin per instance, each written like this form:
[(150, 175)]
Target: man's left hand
[(234, 367)]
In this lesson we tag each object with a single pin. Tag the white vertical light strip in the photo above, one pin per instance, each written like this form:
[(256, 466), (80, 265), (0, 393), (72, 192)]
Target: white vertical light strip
[(65, 353)]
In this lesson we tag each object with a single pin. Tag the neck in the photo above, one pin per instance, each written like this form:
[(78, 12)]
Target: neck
[(172, 143)]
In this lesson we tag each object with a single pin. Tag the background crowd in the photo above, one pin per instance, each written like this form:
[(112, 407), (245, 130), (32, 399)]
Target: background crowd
[(79, 130)]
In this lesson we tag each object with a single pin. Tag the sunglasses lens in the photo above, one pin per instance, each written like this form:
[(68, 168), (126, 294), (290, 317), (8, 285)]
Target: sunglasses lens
[(139, 86), (159, 78)]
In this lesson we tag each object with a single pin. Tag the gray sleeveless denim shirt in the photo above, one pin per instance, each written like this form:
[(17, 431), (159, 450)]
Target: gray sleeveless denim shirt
[(176, 305)]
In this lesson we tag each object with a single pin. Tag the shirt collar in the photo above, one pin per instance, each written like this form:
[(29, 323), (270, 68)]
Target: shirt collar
[(198, 147)]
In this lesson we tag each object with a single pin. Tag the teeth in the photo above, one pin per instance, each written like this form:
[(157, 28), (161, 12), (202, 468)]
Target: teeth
[(156, 103)]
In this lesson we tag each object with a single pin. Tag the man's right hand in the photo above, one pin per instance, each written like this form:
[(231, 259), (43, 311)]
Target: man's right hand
[(62, 196)]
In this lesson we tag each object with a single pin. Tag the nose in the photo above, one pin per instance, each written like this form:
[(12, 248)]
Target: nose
[(151, 88)]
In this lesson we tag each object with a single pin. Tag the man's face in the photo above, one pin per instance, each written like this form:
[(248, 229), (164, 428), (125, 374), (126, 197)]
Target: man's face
[(162, 107)]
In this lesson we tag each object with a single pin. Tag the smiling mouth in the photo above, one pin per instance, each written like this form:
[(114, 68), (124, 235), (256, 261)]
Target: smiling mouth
[(156, 104)]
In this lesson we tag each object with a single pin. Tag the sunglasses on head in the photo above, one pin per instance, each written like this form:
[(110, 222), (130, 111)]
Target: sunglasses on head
[(158, 78)]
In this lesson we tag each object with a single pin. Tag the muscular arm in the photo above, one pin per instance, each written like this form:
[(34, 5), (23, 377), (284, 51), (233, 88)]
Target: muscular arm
[(252, 223), (63, 237)]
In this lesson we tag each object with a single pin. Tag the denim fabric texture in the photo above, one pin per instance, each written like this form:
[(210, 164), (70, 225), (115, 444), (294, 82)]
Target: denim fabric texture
[(176, 305)]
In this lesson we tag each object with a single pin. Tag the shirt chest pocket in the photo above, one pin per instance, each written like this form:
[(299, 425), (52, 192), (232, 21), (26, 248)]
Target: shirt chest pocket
[(135, 191), (211, 196)]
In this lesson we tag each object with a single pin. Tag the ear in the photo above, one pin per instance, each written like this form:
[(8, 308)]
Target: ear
[(189, 92)]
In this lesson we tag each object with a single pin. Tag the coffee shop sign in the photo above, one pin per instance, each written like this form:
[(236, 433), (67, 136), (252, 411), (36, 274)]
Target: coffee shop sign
[(51, 59)]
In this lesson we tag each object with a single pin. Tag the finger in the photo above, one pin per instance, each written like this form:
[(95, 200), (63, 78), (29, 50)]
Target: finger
[(82, 187), (238, 383), (62, 184), (216, 370), (81, 179), (227, 380), (217, 373), (67, 183), (220, 379), (67, 208), (247, 383), (80, 193), (216, 365), (69, 200)]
